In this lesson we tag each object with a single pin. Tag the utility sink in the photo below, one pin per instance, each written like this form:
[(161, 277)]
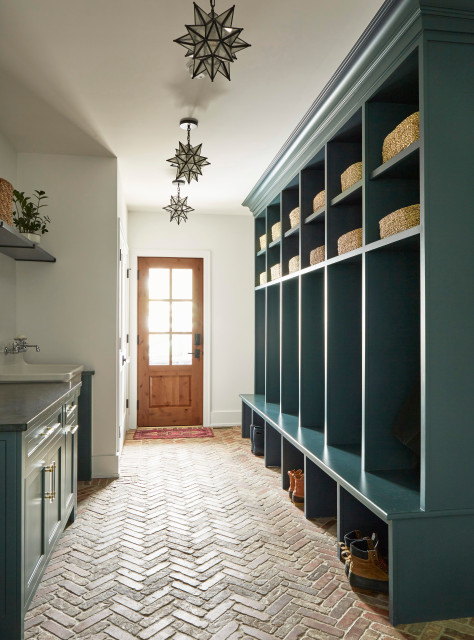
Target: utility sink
[(21, 371)]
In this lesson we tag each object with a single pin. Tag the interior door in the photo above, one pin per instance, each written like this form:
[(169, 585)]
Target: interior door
[(170, 341)]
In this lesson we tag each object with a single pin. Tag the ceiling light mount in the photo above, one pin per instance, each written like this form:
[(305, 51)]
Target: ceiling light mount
[(212, 42), (192, 123)]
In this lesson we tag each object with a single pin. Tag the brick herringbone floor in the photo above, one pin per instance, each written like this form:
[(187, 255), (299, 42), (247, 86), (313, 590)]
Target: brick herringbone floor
[(198, 540)]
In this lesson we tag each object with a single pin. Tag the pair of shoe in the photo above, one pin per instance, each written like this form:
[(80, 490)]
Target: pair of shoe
[(296, 489), (364, 566)]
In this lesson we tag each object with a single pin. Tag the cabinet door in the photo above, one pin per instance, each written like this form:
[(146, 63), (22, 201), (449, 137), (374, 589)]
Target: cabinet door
[(70, 467), (53, 492), (35, 548)]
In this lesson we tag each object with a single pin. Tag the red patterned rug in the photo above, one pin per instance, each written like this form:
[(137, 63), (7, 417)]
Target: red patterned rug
[(170, 433)]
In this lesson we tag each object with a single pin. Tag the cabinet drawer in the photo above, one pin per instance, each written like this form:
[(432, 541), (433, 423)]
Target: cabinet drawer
[(42, 434)]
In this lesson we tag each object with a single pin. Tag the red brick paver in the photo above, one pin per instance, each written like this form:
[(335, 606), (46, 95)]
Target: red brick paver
[(198, 540)]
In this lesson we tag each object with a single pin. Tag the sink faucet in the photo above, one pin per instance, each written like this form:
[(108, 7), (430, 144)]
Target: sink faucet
[(20, 345)]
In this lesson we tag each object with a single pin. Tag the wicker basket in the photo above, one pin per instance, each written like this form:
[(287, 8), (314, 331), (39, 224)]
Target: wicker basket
[(275, 271), (294, 264), (6, 201), (263, 278), (349, 241), (276, 231), (319, 200), (400, 220), (402, 136), (351, 175), (295, 217), (317, 255), (263, 241)]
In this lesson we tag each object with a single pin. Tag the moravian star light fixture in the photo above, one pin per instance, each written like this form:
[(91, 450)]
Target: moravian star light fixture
[(212, 42), (178, 207), (188, 159)]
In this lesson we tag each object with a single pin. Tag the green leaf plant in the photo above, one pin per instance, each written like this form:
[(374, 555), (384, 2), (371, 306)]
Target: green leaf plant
[(27, 216)]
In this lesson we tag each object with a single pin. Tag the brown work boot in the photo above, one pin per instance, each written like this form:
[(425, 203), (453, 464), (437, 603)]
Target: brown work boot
[(367, 569), (298, 493), (346, 546), (292, 475)]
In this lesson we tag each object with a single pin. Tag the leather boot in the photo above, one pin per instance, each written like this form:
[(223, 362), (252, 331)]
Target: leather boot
[(346, 546), (367, 570), (298, 493), (292, 475)]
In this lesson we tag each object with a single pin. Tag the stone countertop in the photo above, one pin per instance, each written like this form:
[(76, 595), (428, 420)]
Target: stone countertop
[(23, 402)]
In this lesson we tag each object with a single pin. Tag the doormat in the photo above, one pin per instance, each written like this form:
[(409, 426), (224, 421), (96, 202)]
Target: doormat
[(170, 433)]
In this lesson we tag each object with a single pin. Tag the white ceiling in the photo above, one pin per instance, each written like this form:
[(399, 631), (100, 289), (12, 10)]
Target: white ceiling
[(103, 77)]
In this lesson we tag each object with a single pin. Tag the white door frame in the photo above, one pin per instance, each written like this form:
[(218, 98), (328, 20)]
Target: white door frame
[(167, 253), (123, 368)]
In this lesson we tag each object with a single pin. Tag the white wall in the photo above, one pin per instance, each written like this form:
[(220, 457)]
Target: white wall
[(229, 239), (8, 171), (69, 308)]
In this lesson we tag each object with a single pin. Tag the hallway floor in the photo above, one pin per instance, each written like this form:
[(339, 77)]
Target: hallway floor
[(198, 540)]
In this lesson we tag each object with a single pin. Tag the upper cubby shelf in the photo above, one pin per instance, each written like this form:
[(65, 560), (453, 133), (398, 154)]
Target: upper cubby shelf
[(405, 164), (14, 245)]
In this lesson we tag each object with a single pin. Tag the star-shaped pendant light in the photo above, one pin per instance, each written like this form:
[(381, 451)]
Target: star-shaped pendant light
[(212, 42), (188, 159), (178, 207)]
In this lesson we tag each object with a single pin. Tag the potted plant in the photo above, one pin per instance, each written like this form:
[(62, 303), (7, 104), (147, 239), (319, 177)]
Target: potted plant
[(27, 216)]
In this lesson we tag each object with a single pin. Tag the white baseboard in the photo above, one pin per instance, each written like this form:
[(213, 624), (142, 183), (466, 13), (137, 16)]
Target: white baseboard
[(225, 418), (105, 466)]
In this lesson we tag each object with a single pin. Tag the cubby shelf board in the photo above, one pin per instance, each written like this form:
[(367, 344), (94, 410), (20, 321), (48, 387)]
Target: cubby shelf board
[(262, 252), (405, 238), (313, 267), (317, 216), (390, 495), (346, 257), (14, 245), (293, 231), (349, 196), (405, 164), (260, 286), (275, 243)]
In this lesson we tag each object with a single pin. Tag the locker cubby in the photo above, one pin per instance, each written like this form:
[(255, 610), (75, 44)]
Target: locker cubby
[(272, 387), (260, 330), (312, 389), (313, 223), (289, 347), (272, 457), (344, 353)]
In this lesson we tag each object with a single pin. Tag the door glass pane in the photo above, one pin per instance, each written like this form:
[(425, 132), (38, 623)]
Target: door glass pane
[(159, 316), (182, 316), (159, 349), (181, 348), (182, 284), (159, 284)]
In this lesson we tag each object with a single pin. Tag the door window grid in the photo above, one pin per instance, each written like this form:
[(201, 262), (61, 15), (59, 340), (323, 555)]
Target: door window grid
[(170, 319)]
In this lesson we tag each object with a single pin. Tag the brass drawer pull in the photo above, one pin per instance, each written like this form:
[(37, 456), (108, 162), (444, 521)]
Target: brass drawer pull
[(74, 429), (51, 494), (71, 428), (48, 430), (70, 408)]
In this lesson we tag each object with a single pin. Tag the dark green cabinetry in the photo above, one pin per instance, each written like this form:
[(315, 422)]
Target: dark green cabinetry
[(347, 346), (38, 496)]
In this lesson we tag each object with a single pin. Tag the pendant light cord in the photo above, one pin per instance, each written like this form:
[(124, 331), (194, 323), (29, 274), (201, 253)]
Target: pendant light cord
[(189, 134)]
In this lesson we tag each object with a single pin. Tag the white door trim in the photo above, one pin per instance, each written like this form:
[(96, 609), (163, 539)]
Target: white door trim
[(167, 253)]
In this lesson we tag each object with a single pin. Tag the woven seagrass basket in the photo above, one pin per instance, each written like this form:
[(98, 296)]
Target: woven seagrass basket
[(351, 175), (6, 201), (402, 136), (295, 217), (400, 220), (317, 255), (263, 241), (263, 278), (275, 271), (294, 264), (319, 200), (276, 231), (349, 241)]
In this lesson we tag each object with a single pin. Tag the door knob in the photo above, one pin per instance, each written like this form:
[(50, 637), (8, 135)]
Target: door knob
[(196, 353)]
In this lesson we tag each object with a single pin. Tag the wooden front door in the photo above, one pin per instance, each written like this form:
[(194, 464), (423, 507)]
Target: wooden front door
[(170, 339)]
